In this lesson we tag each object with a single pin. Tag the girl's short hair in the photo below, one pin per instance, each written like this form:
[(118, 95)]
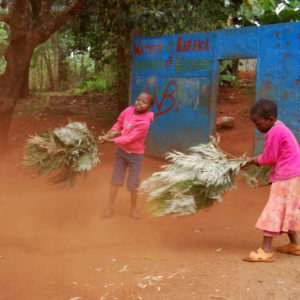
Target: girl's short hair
[(151, 97), (264, 108)]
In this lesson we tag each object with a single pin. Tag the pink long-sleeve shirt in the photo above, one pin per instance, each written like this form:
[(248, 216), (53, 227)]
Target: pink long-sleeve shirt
[(134, 129), (282, 151)]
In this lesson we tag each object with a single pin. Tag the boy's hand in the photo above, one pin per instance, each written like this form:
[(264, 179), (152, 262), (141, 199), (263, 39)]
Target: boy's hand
[(104, 138), (108, 137)]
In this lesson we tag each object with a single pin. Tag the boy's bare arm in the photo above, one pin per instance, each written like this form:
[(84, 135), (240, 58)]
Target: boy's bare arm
[(108, 137)]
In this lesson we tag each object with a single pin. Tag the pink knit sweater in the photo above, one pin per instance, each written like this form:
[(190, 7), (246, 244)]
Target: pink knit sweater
[(282, 151), (134, 129)]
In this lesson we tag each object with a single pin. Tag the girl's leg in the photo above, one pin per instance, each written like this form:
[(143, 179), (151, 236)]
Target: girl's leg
[(268, 238), (293, 237), (267, 243)]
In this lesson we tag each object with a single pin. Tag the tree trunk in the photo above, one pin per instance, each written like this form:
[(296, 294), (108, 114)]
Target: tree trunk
[(122, 76), (11, 87), (97, 68), (42, 73), (20, 16), (47, 59), (63, 69), (5, 120), (24, 93), (55, 62)]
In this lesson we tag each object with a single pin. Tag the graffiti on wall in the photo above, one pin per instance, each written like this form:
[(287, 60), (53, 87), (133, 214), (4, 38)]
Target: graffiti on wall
[(182, 72), (168, 60), (169, 91)]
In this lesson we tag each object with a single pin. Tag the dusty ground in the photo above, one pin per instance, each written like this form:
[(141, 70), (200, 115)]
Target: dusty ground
[(55, 245)]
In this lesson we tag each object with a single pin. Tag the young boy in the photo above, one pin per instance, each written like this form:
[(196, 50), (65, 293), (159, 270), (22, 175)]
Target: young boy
[(132, 127)]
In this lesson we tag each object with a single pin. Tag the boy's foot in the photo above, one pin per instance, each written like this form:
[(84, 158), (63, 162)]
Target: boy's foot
[(108, 213), (289, 249), (260, 256), (135, 214)]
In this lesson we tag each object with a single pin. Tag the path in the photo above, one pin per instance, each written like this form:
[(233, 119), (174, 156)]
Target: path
[(54, 244)]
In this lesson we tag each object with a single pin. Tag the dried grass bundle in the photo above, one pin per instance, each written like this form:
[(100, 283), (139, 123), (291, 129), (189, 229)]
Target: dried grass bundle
[(192, 181), (67, 151)]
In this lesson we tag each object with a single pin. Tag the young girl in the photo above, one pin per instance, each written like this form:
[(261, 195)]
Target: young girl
[(132, 125), (282, 211)]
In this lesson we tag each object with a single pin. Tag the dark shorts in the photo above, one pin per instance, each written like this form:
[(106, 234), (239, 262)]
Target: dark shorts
[(134, 163)]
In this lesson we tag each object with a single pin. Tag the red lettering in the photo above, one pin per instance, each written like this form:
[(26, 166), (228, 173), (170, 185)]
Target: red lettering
[(146, 49), (159, 48), (136, 48), (185, 46), (195, 46), (179, 48), (189, 43), (200, 43), (206, 45), (170, 96)]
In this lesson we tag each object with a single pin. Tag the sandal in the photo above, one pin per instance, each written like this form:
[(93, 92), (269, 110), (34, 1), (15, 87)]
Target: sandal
[(289, 249), (260, 256)]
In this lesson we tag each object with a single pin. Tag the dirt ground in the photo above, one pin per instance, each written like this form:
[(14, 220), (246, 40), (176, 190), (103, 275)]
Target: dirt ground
[(55, 245)]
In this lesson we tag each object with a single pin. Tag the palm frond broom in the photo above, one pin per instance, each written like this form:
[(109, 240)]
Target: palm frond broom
[(67, 152), (192, 181)]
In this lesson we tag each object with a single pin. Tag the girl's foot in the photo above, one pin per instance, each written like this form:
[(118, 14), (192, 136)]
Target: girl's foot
[(289, 249), (108, 213), (134, 214), (260, 256)]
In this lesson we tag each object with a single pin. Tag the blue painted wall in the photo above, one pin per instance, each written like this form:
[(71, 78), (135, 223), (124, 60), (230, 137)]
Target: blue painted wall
[(182, 72)]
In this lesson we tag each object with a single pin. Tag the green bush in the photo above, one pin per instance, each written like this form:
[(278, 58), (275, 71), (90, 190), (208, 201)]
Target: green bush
[(96, 84)]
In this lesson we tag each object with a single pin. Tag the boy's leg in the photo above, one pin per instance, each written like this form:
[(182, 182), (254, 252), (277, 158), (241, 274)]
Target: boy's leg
[(108, 212), (117, 180), (133, 181), (133, 211)]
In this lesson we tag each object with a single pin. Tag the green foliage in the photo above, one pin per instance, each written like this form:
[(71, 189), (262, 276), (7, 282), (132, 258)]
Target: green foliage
[(103, 28), (264, 12), (67, 152), (257, 175), (226, 76), (96, 85), (3, 46)]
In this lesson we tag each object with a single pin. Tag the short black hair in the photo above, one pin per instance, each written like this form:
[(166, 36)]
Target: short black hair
[(264, 108), (151, 98)]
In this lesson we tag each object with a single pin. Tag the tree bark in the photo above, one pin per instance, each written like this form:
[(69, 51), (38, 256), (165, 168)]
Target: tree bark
[(47, 60), (123, 79), (27, 30), (55, 62), (24, 93)]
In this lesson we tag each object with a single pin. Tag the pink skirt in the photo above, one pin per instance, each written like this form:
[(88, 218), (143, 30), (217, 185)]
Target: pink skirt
[(282, 211)]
